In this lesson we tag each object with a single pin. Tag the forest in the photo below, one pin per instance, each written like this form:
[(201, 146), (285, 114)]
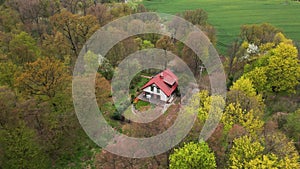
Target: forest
[(40, 41)]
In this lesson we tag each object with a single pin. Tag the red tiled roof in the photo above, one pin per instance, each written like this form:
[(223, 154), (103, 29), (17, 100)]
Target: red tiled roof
[(167, 81)]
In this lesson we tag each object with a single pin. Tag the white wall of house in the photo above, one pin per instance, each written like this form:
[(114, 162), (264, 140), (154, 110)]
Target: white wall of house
[(162, 95)]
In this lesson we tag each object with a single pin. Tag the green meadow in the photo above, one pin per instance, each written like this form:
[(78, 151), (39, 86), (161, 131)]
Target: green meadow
[(227, 16)]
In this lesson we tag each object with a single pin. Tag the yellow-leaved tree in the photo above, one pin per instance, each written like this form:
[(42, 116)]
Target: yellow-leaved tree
[(252, 154), (279, 73), (283, 70), (193, 155), (43, 78)]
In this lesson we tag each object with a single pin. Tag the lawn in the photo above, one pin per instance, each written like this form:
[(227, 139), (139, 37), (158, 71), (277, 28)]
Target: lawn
[(140, 104), (227, 16)]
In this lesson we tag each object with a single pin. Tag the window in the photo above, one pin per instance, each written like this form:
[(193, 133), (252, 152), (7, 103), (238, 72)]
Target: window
[(158, 90), (152, 88)]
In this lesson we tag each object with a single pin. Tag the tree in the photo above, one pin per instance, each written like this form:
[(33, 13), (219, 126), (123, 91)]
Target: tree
[(199, 18), (8, 102), (119, 10), (101, 12), (102, 91), (243, 92), (277, 143), (258, 34), (7, 73), (133, 4), (165, 43), (210, 32), (56, 45), (276, 71), (292, 127), (21, 149), (121, 50), (9, 19), (233, 114), (70, 5), (245, 85), (263, 162), (258, 78), (280, 38), (192, 60), (144, 44), (84, 4), (193, 155), (77, 29), (91, 62), (106, 69), (23, 49), (249, 153), (43, 78), (105, 159), (31, 13), (243, 151), (283, 70), (196, 17), (203, 102), (246, 102)]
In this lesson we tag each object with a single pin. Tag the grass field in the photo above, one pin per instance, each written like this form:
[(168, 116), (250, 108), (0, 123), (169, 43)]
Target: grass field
[(228, 15)]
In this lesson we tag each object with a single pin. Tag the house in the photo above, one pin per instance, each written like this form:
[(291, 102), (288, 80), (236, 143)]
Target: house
[(161, 87)]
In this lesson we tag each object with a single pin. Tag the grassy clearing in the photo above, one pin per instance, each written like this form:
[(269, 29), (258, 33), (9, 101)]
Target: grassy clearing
[(140, 104), (227, 16)]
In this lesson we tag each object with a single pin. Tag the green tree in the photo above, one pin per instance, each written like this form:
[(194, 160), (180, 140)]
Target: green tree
[(106, 69), (23, 49), (7, 73), (292, 126), (193, 155), (133, 4), (21, 149), (91, 61), (144, 44), (8, 103), (9, 19)]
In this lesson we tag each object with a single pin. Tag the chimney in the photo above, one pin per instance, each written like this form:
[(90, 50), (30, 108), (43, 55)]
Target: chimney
[(162, 75)]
